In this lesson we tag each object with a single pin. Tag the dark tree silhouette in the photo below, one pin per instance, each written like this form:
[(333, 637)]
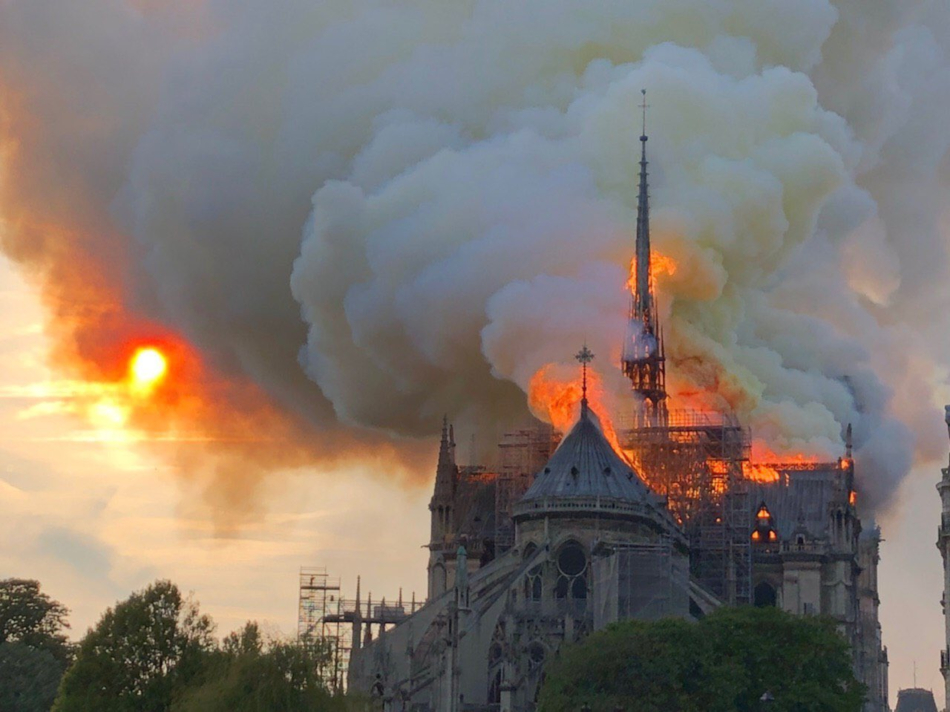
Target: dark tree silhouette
[(723, 663)]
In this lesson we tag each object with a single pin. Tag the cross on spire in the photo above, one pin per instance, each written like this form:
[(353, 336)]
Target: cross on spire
[(584, 357)]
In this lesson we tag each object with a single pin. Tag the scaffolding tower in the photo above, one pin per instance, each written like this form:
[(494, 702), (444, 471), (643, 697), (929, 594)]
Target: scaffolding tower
[(523, 454), (338, 625), (320, 623), (695, 461)]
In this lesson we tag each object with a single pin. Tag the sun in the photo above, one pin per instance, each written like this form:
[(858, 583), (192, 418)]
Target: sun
[(147, 367)]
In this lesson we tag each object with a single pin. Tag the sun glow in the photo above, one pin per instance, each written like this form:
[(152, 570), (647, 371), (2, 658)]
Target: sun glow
[(147, 367)]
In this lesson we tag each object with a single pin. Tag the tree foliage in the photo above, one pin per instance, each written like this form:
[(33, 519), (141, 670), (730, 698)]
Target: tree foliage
[(29, 616), (155, 653), (34, 650), (723, 663), (251, 675), (29, 678), (139, 654)]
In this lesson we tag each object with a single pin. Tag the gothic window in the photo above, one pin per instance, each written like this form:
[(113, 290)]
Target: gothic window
[(439, 579), (579, 587), (496, 663), (572, 572), (764, 595), (764, 531), (532, 585), (535, 655), (571, 560)]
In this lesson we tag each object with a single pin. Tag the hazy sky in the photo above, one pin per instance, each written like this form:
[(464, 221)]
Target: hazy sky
[(94, 515)]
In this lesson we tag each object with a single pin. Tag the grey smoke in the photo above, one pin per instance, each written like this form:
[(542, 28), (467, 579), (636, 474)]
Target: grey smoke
[(384, 214)]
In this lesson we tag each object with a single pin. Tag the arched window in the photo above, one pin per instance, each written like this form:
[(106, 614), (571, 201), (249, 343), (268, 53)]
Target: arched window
[(439, 580), (535, 655), (532, 585), (572, 572), (496, 654), (764, 595)]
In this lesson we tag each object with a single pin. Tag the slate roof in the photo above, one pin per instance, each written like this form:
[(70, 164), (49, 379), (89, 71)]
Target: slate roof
[(916, 700), (807, 499), (585, 465), (475, 502)]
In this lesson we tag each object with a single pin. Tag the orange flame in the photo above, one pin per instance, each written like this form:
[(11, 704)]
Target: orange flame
[(659, 264), (558, 401), (767, 465), (765, 474), (554, 400)]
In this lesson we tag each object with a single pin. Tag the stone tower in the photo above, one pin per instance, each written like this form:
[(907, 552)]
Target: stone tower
[(943, 543), (442, 508)]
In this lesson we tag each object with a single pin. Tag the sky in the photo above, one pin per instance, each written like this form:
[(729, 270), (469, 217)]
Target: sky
[(343, 220), (95, 514)]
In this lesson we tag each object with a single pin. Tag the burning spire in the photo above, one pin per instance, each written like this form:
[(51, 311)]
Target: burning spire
[(644, 359)]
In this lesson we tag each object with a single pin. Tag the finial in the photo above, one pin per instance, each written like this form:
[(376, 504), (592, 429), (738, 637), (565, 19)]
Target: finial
[(644, 106), (584, 356)]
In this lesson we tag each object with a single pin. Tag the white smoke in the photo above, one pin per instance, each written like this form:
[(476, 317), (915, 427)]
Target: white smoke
[(473, 172)]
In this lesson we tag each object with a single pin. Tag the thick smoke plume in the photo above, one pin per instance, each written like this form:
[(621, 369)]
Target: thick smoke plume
[(363, 216)]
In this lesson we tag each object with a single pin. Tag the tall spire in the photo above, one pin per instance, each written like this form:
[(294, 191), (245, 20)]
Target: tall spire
[(644, 358), (643, 295)]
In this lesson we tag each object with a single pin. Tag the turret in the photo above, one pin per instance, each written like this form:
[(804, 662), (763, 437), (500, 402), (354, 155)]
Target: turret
[(442, 509), (442, 505)]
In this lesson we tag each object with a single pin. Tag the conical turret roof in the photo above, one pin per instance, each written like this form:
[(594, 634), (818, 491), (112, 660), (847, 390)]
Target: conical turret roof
[(585, 473), (585, 465)]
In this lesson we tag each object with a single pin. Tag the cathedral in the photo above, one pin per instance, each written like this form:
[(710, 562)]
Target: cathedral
[(563, 536)]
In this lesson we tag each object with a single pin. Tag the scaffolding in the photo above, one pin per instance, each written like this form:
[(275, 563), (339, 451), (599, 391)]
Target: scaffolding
[(339, 625), (320, 611), (695, 460), (642, 581), (523, 453)]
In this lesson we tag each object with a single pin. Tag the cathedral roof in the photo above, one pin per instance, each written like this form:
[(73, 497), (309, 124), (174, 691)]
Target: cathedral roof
[(803, 499), (586, 472)]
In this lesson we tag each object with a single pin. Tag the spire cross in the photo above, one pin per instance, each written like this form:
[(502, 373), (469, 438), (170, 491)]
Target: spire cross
[(584, 356)]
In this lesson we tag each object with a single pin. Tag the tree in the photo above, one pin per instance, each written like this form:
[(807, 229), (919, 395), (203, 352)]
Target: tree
[(139, 655), (251, 675), (723, 663), (34, 650), (29, 678), (29, 616)]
